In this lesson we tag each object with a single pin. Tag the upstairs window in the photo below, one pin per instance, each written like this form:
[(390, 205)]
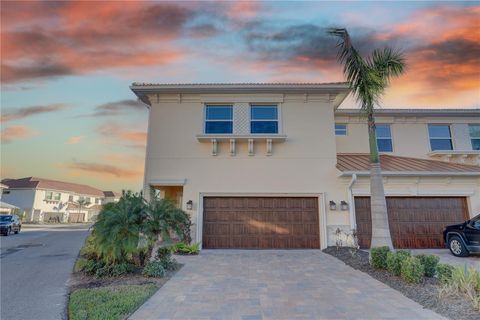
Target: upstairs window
[(48, 195), (57, 196), (340, 129), (70, 198), (384, 138), (440, 137), (263, 119), (475, 136), (219, 119)]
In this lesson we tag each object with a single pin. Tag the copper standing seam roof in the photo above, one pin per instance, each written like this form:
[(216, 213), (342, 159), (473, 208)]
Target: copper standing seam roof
[(40, 183), (360, 162)]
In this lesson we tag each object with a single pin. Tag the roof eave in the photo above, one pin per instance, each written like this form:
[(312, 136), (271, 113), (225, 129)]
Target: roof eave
[(414, 173)]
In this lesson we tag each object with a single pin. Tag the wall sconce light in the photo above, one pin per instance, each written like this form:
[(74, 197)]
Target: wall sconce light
[(343, 205), (333, 205), (189, 205)]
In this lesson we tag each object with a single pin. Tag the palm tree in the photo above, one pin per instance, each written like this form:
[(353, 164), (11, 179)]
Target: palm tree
[(368, 78)]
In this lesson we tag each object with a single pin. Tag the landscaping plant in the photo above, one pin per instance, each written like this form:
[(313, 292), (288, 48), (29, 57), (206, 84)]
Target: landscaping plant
[(378, 257), (154, 269), (412, 270), (444, 272), (394, 261), (182, 248), (429, 262), (463, 282)]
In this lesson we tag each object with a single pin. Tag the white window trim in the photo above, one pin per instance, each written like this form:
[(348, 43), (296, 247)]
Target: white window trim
[(452, 140), (206, 105), (385, 138), (266, 105)]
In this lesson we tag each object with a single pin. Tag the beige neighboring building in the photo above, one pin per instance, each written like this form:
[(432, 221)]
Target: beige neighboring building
[(45, 200), (281, 166)]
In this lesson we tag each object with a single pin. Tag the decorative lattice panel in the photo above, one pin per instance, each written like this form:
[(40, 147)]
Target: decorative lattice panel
[(241, 118)]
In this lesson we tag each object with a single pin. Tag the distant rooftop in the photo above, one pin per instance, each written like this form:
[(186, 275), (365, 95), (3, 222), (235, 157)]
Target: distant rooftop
[(41, 183), (439, 112)]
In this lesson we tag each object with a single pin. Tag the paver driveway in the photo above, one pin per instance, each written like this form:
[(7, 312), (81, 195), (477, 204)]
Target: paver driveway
[(273, 284)]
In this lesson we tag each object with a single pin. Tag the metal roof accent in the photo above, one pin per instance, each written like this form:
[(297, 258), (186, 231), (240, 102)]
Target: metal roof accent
[(438, 112)]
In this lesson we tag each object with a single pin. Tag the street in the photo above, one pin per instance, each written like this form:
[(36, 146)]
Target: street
[(35, 268)]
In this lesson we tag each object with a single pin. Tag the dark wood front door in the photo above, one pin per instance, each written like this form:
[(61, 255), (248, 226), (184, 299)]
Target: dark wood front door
[(260, 223), (415, 222)]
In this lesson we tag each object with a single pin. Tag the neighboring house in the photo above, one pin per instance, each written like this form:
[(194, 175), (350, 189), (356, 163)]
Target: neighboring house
[(46, 200), (280, 166), (111, 196), (6, 208)]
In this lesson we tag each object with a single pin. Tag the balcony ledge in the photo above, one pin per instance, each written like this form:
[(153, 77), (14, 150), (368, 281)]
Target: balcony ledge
[(228, 137)]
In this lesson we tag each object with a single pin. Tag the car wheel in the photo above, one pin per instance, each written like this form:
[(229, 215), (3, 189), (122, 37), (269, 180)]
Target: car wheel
[(455, 244), (7, 232), (18, 230)]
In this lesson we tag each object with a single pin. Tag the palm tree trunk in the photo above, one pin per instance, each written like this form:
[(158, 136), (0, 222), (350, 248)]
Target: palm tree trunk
[(380, 229), (156, 246)]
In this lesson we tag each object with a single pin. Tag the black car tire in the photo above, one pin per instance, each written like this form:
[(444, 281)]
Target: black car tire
[(456, 246), (18, 230)]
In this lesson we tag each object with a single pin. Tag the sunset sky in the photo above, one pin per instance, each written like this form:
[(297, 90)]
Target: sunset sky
[(67, 112)]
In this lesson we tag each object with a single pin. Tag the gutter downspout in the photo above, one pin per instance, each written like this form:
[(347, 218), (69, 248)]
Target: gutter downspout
[(353, 223)]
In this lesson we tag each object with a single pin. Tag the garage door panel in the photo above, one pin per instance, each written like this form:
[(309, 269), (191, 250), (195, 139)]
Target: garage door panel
[(261, 222), (415, 222)]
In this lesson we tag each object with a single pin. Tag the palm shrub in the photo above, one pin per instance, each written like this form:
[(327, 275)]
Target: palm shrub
[(464, 283), (163, 219), (429, 262), (394, 261), (118, 227)]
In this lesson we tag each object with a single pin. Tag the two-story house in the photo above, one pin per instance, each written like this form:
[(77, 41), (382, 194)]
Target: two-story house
[(45, 200), (281, 166)]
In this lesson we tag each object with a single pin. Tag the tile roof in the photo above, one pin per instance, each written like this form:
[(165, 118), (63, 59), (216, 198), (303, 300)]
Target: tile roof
[(40, 183), (360, 162), (112, 194)]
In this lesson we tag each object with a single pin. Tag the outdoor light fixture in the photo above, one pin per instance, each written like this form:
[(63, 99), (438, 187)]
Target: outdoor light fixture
[(343, 205), (189, 205), (333, 205)]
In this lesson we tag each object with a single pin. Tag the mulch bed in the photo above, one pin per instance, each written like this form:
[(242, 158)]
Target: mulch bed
[(80, 280), (425, 293)]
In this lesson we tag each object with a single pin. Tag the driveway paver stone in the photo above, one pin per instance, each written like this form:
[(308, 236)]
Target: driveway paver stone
[(275, 284)]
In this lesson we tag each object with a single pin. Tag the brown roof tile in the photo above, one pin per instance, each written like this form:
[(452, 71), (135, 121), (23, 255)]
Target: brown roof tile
[(40, 183), (361, 162)]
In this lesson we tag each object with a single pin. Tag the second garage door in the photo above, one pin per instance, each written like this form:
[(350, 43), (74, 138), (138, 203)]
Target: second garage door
[(415, 222), (260, 223)]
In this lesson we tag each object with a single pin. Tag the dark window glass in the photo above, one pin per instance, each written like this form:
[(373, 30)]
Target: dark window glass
[(219, 113), (439, 131), (476, 144), (441, 144), (264, 127), (218, 127), (264, 113), (384, 145), (340, 129), (383, 131)]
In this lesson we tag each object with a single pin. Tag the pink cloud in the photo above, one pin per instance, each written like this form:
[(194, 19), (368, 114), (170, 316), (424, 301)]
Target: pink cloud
[(74, 139), (13, 133)]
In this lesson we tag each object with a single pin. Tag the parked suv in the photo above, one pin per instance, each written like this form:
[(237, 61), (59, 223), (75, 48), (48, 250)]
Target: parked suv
[(464, 238), (9, 223)]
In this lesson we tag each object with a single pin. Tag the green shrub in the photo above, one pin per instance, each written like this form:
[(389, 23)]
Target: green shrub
[(412, 270), (154, 269), (378, 257), (429, 262), (89, 250), (394, 261), (164, 252), (182, 248), (444, 272)]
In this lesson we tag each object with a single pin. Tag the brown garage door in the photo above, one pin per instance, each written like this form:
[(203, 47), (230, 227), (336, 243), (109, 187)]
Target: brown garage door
[(415, 222), (260, 222), (76, 217)]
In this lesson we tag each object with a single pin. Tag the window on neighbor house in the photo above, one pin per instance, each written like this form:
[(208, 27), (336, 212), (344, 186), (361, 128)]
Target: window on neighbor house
[(97, 201), (81, 198), (475, 136), (440, 137), (57, 196), (340, 129), (384, 138), (219, 119), (48, 195), (263, 119), (70, 198), (88, 200)]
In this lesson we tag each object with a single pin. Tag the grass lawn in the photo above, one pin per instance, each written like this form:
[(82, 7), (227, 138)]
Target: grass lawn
[(112, 303)]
